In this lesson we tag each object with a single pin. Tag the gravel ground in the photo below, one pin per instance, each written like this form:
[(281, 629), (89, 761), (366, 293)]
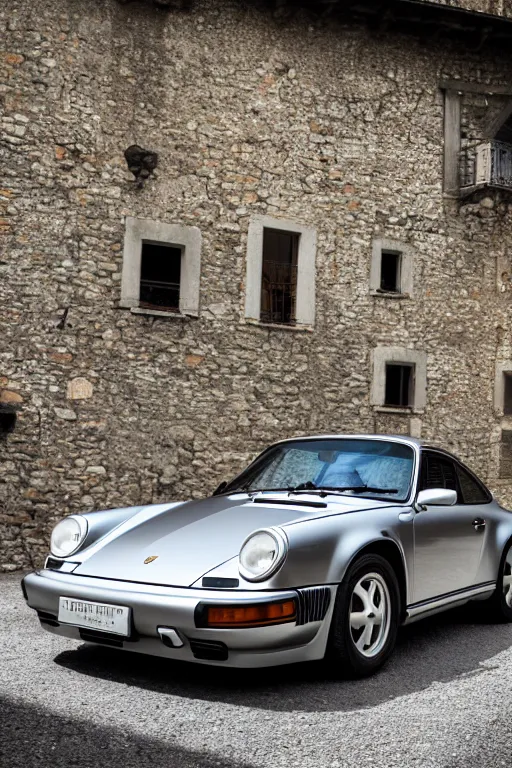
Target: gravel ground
[(443, 700)]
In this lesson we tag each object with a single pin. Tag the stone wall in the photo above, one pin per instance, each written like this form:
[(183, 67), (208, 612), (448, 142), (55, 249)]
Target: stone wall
[(322, 123)]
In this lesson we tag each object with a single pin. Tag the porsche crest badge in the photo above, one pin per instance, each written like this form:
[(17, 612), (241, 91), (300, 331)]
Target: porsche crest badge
[(149, 560)]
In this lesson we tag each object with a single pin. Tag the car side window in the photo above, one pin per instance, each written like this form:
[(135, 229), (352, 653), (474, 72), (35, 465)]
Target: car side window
[(472, 491), (437, 472)]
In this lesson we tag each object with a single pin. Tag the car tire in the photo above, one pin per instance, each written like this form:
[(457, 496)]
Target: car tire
[(499, 607), (368, 592)]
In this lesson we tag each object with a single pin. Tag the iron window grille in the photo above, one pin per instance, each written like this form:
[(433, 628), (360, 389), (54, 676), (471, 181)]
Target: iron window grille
[(278, 292), (279, 277)]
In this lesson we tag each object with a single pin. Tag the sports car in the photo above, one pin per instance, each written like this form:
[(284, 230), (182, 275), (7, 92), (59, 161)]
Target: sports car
[(320, 549)]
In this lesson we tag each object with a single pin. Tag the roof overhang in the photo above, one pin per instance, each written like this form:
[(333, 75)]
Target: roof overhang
[(419, 17)]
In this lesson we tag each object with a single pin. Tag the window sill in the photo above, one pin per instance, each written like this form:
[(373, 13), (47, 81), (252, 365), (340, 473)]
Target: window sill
[(158, 313), (278, 326), (409, 411), (389, 295)]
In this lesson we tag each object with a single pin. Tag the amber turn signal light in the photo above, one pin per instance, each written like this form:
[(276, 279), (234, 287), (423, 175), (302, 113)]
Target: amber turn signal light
[(259, 615)]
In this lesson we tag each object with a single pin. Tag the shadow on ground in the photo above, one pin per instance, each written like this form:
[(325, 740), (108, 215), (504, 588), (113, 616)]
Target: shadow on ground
[(31, 737), (437, 649)]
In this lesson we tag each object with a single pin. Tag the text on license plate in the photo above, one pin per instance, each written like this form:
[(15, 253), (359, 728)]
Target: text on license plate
[(105, 618)]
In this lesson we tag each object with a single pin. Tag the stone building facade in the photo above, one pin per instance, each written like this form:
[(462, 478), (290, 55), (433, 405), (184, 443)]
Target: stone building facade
[(343, 134)]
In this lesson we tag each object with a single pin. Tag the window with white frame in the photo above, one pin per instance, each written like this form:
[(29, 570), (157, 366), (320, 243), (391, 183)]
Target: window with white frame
[(503, 388), (399, 379), (161, 268), (280, 279), (507, 393), (391, 268)]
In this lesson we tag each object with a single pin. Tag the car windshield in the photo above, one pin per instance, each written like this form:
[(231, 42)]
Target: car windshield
[(376, 468)]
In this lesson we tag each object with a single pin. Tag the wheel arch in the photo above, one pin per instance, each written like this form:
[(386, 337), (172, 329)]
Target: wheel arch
[(504, 543), (390, 551)]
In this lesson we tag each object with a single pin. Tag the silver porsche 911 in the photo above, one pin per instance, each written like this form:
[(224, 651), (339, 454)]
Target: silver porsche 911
[(321, 548)]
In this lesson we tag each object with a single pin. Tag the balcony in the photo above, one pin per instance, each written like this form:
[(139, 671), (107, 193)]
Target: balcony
[(488, 164)]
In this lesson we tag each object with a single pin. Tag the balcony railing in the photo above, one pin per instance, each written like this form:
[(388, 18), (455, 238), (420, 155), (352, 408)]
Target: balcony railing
[(488, 164)]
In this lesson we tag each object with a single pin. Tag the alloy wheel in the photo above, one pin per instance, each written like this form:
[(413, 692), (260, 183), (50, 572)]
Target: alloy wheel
[(370, 613), (507, 579)]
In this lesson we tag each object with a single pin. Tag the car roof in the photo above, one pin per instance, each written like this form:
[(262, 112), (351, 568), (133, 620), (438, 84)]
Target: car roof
[(393, 438)]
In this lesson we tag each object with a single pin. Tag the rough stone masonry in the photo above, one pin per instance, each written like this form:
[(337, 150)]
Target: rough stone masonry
[(319, 121)]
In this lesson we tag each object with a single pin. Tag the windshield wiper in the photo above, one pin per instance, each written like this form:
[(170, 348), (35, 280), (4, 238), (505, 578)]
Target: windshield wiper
[(328, 490), (246, 489), (310, 487), (370, 489)]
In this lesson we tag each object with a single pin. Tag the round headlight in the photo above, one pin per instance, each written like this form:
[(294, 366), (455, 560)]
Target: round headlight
[(68, 536), (262, 553)]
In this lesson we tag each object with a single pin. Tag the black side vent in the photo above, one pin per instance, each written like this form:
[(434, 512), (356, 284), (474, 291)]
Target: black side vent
[(209, 649), (53, 564), (312, 604), (217, 583)]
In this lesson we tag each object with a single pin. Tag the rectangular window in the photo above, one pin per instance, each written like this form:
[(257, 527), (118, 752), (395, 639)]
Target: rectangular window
[(390, 271), (160, 276), (507, 394), (391, 268), (279, 276), (399, 385)]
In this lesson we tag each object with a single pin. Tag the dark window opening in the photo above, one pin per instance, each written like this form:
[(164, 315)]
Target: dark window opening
[(7, 420), (160, 274), (390, 271), (279, 276), (399, 385), (507, 394), (504, 133), (506, 453)]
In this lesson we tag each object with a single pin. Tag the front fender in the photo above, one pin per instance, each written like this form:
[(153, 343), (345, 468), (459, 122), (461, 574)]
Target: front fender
[(321, 550)]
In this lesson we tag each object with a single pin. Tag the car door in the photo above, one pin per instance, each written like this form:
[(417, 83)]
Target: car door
[(447, 544)]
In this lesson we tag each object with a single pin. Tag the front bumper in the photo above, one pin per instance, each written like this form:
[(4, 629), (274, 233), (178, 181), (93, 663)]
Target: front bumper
[(174, 607)]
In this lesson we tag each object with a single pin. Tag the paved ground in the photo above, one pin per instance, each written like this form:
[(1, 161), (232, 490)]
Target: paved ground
[(444, 700)]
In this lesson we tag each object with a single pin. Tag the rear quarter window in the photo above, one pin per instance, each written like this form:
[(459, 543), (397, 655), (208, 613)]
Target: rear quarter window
[(472, 491)]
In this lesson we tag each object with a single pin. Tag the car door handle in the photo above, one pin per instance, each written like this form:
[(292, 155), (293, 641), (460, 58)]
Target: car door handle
[(478, 524)]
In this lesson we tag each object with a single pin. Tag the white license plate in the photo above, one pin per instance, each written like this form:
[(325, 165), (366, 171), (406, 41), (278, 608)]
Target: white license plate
[(105, 618)]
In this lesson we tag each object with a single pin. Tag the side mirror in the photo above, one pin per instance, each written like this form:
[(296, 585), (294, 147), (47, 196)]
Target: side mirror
[(436, 497)]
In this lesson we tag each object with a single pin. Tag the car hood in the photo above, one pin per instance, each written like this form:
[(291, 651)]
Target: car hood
[(190, 539)]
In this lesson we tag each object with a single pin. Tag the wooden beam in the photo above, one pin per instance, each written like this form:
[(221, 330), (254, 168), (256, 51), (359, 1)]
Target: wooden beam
[(463, 87), (451, 143)]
